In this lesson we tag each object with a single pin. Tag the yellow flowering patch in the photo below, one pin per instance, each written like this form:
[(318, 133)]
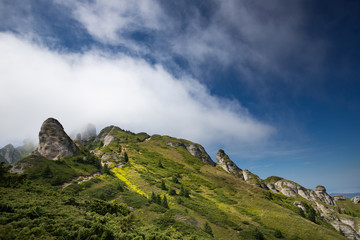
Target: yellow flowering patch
[(121, 174)]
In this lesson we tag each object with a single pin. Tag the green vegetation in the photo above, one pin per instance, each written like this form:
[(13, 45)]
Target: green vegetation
[(162, 192)]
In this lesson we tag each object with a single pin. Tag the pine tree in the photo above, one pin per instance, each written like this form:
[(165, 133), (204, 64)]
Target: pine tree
[(164, 202), (175, 179), (184, 192), (106, 169), (208, 229), (158, 199), (126, 158), (47, 172), (163, 186), (153, 197)]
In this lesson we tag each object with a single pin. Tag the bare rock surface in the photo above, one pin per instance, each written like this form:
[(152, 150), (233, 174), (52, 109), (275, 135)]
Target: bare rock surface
[(347, 230), (225, 162), (321, 193), (356, 199), (54, 143), (194, 149)]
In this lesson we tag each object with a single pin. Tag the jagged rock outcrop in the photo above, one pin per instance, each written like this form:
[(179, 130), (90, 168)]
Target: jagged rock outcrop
[(199, 152), (194, 149), (356, 199), (323, 196), (9, 154), (253, 179), (54, 143), (225, 162), (339, 198), (346, 229)]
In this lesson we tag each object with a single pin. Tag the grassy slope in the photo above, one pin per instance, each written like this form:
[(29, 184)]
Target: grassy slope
[(233, 208)]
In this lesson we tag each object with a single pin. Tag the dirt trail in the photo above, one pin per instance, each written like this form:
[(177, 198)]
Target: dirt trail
[(81, 179)]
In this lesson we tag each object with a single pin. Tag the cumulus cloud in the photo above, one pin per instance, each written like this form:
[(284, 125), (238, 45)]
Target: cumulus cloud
[(37, 83)]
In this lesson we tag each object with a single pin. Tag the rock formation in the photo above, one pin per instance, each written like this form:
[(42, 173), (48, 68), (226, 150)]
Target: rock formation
[(225, 162), (106, 135), (54, 143), (194, 149), (9, 154), (356, 199), (323, 196)]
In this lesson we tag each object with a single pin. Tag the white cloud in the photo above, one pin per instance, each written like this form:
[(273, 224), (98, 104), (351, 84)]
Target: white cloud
[(253, 37), (37, 83), (107, 20)]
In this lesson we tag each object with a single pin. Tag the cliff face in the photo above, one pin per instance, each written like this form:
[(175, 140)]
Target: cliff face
[(54, 143)]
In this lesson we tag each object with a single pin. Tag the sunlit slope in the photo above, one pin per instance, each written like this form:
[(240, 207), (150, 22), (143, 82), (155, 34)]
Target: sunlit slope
[(234, 209)]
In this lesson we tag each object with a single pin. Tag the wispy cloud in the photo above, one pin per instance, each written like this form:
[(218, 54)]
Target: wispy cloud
[(253, 37), (37, 83)]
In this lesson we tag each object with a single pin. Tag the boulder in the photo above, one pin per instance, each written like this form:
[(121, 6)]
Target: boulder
[(54, 143)]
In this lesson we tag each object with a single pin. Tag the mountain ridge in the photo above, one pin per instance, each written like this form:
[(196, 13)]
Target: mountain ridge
[(182, 171)]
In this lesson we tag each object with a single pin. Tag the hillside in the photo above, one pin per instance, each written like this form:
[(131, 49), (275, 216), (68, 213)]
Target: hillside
[(121, 185)]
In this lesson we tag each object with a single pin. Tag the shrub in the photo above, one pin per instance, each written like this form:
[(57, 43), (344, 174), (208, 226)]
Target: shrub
[(208, 229), (103, 207), (278, 234), (163, 186), (172, 192), (164, 202)]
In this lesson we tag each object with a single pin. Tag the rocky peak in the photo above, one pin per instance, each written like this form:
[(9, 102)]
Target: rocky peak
[(54, 143), (9, 154), (321, 193), (227, 164), (194, 149)]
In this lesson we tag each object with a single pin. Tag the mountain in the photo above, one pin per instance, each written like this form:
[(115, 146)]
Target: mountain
[(122, 185), (9, 154)]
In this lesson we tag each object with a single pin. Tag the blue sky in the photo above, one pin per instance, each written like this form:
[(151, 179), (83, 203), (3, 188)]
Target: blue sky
[(273, 83)]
